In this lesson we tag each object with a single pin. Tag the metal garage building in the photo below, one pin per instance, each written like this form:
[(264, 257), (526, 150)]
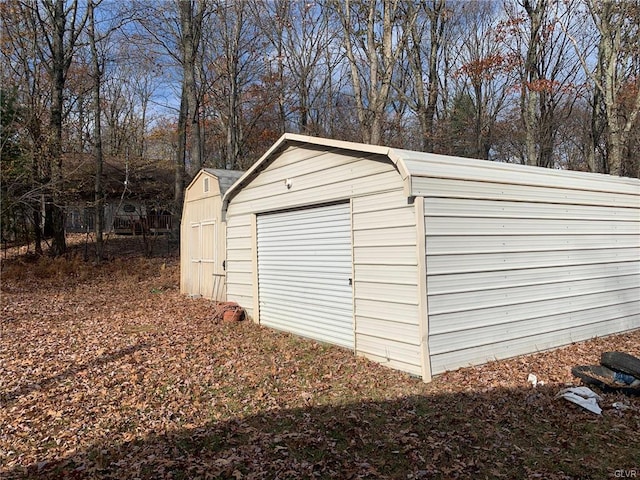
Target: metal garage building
[(425, 262), (202, 234)]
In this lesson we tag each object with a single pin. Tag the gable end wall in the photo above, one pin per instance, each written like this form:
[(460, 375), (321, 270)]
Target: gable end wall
[(384, 242), (202, 209)]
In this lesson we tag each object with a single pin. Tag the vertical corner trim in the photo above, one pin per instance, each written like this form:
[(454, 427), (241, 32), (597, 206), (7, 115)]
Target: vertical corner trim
[(353, 281), (423, 308), (254, 268)]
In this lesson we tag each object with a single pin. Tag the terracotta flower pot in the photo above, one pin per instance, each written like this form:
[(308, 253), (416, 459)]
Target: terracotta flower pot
[(232, 315)]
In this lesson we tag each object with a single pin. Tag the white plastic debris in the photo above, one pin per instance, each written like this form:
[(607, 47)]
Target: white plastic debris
[(583, 396), (585, 392), (533, 380)]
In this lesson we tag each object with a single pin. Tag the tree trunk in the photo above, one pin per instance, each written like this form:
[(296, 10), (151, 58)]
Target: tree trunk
[(344, 13), (596, 157), (437, 27), (234, 125), (424, 101), (143, 123), (546, 131), (191, 25), (97, 119), (381, 52), (58, 59), (608, 47), (282, 8), (37, 229), (529, 88), (478, 149), (179, 173), (616, 105), (420, 104), (64, 29), (179, 164)]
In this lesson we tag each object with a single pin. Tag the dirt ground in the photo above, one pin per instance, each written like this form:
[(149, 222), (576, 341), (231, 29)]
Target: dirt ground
[(106, 371)]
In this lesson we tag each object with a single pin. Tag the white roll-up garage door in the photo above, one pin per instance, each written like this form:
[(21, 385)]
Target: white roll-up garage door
[(304, 273)]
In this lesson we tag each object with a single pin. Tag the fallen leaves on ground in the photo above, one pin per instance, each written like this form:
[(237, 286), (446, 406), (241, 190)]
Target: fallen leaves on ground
[(108, 372)]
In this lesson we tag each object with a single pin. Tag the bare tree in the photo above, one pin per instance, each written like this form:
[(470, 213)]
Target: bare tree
[(530, 81), (143, 86), (191, 17), (28, 80), (274, 21), (616, 78), (232, 21), (301, 37), (60, 24), (545, 72), (234, 63), (175, 27), (421, 69), (180, 153), (374, 35), (482, 65), (98, 70)]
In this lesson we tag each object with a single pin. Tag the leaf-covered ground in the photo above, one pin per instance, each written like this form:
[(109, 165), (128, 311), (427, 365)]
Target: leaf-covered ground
[(108, 372)]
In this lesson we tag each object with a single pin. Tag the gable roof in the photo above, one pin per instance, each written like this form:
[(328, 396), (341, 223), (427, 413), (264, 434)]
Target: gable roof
[(226, 178), (412, 164)]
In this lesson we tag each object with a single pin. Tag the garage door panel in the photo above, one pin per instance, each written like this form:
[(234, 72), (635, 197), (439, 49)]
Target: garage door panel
[(296, 253), (307, 297), (304, 272), (322, 271), (306, 239), (308, 227), (330, 317), (315, 333), (306, 216), (319, 287)]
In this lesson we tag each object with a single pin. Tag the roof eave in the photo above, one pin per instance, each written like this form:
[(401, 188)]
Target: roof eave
[(325, 142), (405, 174)]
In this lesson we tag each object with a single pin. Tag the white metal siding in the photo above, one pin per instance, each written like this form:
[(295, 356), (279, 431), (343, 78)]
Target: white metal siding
[(384, 241), (517, 258), (509, 277), (504, 178), (476, 190), (304, 273), (386, 272), (318, 176), (239, 262)]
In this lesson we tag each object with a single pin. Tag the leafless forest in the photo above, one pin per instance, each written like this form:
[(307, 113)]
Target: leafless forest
[(104, 99)]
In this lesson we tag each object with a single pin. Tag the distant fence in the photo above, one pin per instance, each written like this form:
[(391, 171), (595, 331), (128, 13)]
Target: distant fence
[(137, 225), (81, 220)]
